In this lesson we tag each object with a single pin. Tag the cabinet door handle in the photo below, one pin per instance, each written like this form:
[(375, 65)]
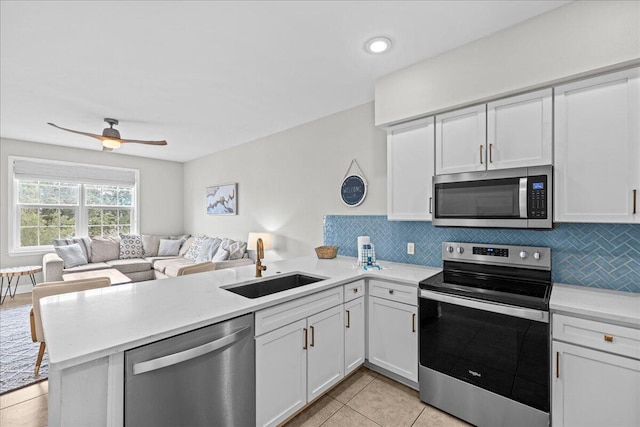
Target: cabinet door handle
[(348, 319), (481, 150), (430, 208), (608, 338), (305, 339), (313, 337), (635, 201), (490, 153), (355, 290), (557, 364), (413, 322)]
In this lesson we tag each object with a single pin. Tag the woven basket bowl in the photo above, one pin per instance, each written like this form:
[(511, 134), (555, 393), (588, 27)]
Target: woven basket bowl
[(327, 252)]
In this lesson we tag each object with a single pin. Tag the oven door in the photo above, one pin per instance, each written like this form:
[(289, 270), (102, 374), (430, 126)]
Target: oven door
[(499, 348)]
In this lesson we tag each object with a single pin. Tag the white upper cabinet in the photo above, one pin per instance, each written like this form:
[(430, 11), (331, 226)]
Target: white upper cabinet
[(461, 140), (410, 161), (597, 155), (519, 131)]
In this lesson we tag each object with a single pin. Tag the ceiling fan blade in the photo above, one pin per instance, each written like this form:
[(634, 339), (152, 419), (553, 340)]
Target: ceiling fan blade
[(137, 141), (92, 135)]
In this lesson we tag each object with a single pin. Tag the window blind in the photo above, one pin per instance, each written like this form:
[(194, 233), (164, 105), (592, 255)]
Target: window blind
[(73, 172)]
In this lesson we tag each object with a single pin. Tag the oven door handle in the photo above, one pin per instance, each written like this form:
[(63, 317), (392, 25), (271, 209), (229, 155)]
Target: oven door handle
[(524, 313)]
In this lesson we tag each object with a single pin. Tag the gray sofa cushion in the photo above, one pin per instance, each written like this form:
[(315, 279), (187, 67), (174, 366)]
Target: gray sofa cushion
[(105, 249), (88, 267), (72, 255), (209, 247), (161, 265), (186, 245), (154, 259), (236, 249), (84, 242), (151, 243), (130, 265)]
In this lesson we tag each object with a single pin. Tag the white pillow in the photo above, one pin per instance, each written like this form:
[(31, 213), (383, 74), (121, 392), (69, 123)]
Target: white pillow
[(207, 249), (169, 247), (72, 255), (194, 249), (221, 255)]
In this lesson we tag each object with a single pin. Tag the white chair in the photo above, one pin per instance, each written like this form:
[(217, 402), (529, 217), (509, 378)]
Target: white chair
[(56, 288)]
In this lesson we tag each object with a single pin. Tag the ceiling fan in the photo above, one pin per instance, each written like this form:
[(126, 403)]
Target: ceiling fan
[(111, 137)]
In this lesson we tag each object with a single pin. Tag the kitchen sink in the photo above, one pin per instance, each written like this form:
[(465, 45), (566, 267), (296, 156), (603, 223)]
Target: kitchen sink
[(272, 285)]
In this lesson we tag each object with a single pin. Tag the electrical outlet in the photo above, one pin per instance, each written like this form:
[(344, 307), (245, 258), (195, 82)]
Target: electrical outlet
[(411, 249)]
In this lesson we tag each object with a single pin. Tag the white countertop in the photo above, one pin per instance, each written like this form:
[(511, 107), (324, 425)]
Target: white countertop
[(600, 304), (88, 325)]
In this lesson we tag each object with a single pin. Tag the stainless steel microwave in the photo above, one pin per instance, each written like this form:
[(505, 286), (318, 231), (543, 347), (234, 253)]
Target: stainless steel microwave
[(507, 198)]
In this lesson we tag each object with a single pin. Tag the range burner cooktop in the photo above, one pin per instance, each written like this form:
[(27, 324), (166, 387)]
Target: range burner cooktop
[(514, 275)]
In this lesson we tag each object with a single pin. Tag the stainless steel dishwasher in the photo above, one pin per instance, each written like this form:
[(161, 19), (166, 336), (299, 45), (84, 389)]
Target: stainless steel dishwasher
[(205, 377)]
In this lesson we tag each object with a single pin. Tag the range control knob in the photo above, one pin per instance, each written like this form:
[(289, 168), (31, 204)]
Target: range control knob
[(450, 249), (537, 255), (460, 249), (523, 254)]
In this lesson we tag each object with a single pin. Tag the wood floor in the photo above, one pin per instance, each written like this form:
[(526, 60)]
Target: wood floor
[(363, 399)]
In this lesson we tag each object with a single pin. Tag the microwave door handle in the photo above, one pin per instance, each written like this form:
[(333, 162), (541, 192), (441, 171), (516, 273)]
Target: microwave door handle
[(522, 198)]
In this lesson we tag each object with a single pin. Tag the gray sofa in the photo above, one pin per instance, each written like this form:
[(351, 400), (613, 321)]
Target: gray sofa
[(145, 267)]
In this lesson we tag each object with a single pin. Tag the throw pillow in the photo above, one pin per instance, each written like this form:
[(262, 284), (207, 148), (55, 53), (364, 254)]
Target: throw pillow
[(185, 246), (194, 249), (236, 249), (105, 249), (84, 242), (169, 247), (208, 248), (151, 243), (221, 255), (131, 246), (72, 255)]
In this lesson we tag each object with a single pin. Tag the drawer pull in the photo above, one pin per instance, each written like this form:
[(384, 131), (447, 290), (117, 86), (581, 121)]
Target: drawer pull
[(390, 291), (355, 290), (608, 338), (348, 319)]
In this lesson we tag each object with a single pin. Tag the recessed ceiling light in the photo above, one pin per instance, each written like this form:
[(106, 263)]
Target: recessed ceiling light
[(378, 45)]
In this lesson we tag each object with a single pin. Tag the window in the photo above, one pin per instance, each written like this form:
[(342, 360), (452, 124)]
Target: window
[(57, 200)]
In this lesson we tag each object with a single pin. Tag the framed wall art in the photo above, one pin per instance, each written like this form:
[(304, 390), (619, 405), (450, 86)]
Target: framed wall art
[(222, 199)]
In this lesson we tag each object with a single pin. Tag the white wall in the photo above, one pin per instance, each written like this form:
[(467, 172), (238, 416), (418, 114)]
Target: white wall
[(564, 43), (288, 181), (160, 186)]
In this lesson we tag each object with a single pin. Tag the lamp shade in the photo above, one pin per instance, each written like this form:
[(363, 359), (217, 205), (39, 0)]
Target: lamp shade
[(253, 238)]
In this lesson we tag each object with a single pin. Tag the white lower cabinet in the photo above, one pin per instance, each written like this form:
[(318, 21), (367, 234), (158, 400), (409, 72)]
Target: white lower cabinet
[(297, 363), (354, 330), (393, 337), (595, 373), (281, 373), (325, 355)]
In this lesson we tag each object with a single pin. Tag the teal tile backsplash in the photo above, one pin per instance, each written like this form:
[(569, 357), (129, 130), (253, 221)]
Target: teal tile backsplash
[(596, 255)]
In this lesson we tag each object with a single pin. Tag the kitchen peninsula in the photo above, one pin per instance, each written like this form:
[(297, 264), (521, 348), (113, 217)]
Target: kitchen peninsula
[(87, 333)]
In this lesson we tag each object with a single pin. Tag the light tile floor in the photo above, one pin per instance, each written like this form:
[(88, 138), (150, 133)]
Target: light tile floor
[(368, 399), (363, 399)]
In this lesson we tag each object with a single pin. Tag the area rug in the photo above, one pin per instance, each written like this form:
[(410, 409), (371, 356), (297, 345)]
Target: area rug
[(18, 353)]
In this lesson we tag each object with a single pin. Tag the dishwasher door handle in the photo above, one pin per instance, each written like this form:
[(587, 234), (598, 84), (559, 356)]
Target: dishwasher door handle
[(192, 353)]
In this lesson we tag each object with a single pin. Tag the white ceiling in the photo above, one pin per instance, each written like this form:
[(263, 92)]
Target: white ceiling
[(206, 76)]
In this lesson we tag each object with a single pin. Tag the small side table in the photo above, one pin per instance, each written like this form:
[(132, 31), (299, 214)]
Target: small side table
[(16, 272)]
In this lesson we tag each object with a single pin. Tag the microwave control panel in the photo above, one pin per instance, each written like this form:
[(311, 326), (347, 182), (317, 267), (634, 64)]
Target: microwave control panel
[(537, 197)]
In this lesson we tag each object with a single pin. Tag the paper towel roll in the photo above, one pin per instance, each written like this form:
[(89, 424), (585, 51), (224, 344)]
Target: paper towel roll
[(363, 240)]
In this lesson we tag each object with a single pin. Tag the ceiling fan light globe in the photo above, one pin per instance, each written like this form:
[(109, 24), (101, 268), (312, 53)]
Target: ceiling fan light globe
[(111, 143)]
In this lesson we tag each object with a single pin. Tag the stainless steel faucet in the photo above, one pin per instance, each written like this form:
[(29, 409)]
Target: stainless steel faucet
[(259, 255)]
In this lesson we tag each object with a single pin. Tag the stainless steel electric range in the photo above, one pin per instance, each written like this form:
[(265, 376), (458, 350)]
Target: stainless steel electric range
[(484, 334)]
